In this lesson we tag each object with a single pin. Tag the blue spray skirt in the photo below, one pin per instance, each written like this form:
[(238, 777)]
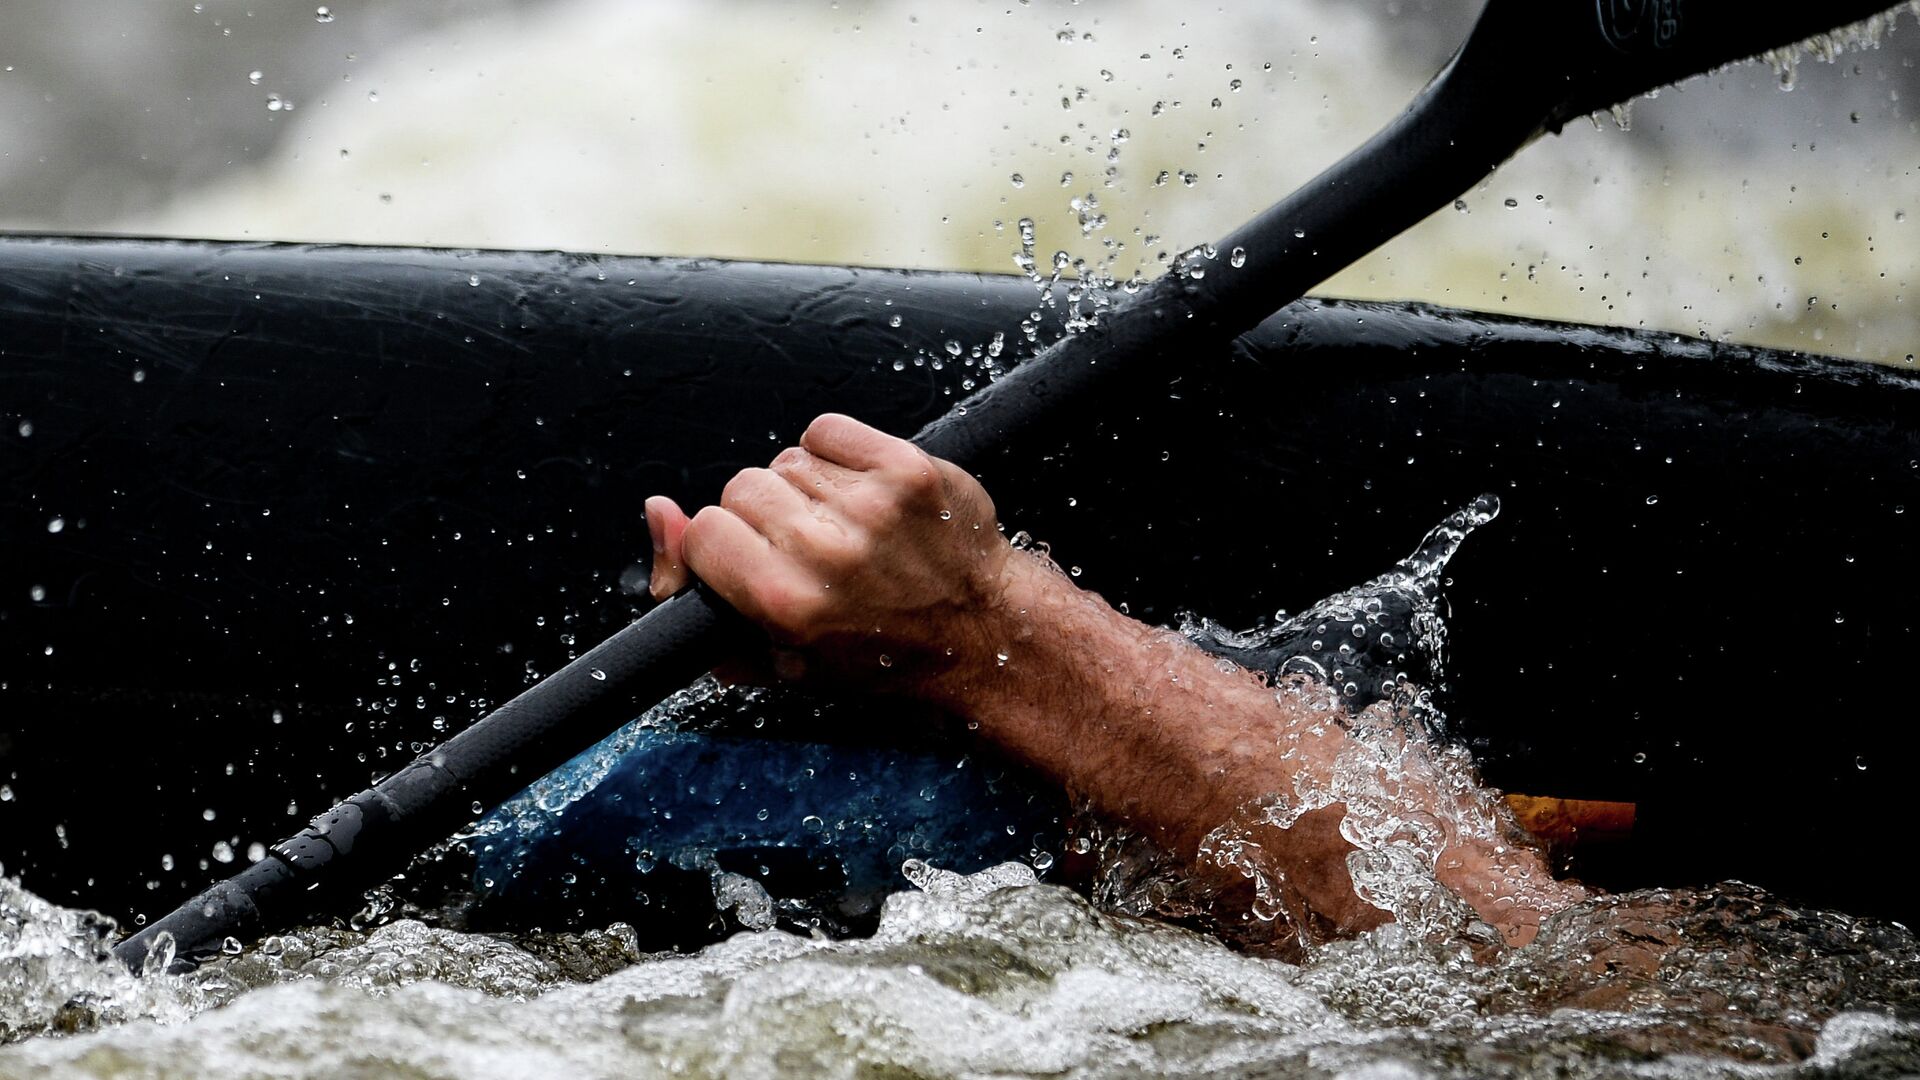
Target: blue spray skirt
[(824, 827)]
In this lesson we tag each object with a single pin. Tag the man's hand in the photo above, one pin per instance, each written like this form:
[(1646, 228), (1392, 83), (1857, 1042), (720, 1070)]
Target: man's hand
[(867, 561)]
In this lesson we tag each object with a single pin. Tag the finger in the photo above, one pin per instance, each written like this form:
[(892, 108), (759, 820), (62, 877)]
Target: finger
[(667, 526), (811, 475), (845, 441), (740, 564), (765, 500)]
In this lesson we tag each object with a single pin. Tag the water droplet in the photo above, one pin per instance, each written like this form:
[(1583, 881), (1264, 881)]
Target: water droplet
[(56, 525), (473, 280), (254, 77), (1652, 500), (1860, 763), (1237, 257), (893, 320), (322, 14), (38, 593), (256, 851), (1018, 180), (598, 675), (222, 851), (946, 515), (1640, 758), (885, 660), (1510, 203)]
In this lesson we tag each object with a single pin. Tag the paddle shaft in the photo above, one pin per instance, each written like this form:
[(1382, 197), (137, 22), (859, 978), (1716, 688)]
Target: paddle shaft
[(1472, 117)]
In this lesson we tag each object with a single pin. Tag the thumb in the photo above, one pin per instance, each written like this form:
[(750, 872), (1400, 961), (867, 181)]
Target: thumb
[(667, 525)]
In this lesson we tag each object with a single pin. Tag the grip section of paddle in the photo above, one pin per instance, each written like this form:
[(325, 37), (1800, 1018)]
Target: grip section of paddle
[(370, 836)]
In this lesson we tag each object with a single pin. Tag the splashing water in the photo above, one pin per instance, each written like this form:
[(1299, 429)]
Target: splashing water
[(57, 972), (992, 974), (1368, 659)]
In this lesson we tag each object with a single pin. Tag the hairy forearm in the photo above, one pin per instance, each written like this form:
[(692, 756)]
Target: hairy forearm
[(1175, 743), (1149, 730)]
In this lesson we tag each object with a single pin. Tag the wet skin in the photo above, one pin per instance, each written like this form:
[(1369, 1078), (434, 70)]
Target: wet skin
[(876, 568)]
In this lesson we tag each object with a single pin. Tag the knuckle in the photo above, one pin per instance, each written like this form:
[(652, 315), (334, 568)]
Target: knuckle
[(822, 426), (919, 479), (700, 527), (740, 487)]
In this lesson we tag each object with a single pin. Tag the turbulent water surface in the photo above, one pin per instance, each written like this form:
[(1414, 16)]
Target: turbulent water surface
[(986, 975)]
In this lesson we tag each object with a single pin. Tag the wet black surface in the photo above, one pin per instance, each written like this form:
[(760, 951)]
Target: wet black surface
[(325, 433)]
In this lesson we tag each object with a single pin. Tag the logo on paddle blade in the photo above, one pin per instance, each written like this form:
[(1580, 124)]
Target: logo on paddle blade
[(1639, 25)]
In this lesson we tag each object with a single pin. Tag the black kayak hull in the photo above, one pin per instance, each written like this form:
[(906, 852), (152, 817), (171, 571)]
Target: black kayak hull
[(356, 494)]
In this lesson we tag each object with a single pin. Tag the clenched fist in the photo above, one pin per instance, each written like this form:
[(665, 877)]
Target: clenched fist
[(867, 561)]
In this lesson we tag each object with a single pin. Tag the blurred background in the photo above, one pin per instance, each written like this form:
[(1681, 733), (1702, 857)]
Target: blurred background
[(1767, 203)]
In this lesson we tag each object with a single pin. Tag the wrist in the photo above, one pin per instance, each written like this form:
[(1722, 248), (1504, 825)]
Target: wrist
[(1021, 658)]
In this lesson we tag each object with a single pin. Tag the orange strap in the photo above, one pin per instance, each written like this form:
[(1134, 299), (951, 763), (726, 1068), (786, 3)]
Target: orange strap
[(1573, 822)]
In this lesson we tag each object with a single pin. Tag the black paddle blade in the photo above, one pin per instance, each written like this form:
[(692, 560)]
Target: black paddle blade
[(1592, 54)]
